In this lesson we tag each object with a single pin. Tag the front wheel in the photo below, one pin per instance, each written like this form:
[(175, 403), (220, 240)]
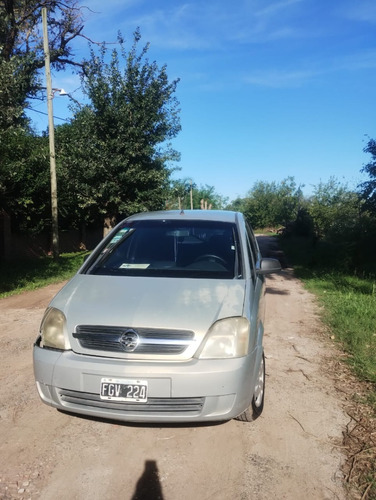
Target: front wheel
[(257, 405)]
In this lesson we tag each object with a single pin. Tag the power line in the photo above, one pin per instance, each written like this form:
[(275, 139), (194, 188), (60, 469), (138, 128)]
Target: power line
[(46, 114)]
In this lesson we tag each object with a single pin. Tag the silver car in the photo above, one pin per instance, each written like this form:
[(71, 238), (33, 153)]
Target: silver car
[(162, 323)]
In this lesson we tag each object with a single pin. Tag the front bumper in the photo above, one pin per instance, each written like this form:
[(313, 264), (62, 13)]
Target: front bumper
[(192, 391)]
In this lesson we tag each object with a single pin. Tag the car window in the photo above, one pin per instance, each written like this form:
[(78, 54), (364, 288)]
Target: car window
[(190, 248), (252, 252), (253, 243), (251, 260)]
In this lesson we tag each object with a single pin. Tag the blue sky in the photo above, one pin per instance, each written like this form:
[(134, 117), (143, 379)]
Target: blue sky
[(268, 88)]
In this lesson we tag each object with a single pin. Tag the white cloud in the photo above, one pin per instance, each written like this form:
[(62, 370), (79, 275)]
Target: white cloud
[(275, 7), (357, 61), (279, 78), (208, 25), (361, 10)]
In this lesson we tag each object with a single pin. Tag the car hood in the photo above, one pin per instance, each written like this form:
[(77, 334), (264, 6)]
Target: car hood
[(170, 303)]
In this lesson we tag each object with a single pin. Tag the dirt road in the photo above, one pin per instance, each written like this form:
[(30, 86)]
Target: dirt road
[(291, 452)]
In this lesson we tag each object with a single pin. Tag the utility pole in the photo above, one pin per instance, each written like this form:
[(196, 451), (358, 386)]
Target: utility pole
[(191, 196), (51, 133)]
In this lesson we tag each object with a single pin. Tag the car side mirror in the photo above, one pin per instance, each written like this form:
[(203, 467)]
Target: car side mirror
[(268, 266)]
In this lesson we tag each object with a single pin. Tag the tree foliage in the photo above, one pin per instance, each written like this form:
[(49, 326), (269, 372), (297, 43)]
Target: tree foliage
[(21, 42), (115, 158), (342, 236), (178, 195), (13, 93), (22, 54), (271, 204), (205, 196), (24, 179), (334, 208), (368, 188), (186, 194)]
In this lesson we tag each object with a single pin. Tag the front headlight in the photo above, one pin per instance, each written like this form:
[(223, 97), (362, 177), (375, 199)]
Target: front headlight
[(53, 330), (227, 338)]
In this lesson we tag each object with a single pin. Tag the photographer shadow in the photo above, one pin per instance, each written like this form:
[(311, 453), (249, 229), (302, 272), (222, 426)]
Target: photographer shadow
[(148, 486)]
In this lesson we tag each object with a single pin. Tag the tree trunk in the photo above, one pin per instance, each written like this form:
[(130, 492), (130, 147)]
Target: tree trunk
[(108, 224)]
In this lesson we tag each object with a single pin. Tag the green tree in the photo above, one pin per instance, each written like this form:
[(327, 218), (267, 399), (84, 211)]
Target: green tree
[(205, 196), (272, 204), (368, 188), (237, 205), (12, 98), (342, 232), (334, 208), (259, 206), (24, 185), (24, 180), (115, 158), (21, 48), (179, 194), (289, 201)]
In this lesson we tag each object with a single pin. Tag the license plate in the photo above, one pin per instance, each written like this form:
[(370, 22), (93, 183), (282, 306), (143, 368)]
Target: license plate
[(124, 390)]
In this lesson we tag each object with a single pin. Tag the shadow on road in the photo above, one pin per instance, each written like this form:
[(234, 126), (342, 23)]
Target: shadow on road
[(275, 291), (148, 486)]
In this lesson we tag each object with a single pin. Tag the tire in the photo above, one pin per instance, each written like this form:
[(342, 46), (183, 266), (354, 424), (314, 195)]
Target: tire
[(257, 405)]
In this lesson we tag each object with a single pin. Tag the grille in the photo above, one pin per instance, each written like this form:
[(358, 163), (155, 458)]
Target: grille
[(150, 341), (160, 405)]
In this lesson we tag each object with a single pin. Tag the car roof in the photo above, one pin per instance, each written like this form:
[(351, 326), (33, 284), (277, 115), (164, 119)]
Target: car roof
[(205, 215)]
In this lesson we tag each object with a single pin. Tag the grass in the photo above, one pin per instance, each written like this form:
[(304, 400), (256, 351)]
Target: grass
[(349, 304), (350, 312), (20, 276)]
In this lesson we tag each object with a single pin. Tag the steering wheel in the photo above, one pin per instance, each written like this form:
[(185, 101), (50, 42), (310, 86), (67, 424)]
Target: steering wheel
[(212, 257)]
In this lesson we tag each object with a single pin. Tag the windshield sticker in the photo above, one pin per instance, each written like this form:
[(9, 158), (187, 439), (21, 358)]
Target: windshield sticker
[(118, 236), (134, 266)]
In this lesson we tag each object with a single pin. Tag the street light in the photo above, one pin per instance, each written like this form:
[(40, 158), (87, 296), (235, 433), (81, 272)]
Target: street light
[(61, 92)]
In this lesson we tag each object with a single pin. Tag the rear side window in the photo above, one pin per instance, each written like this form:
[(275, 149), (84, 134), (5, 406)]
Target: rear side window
[(252, 252), (171, 248)]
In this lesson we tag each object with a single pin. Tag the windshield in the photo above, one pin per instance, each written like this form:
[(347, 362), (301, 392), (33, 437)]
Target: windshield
[(171, 248)]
